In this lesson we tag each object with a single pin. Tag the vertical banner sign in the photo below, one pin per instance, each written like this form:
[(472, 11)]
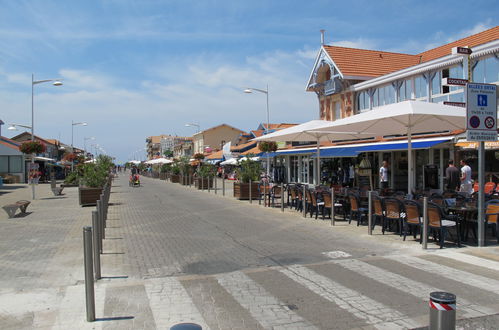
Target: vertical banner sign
[(481, 114), (226, 151), (33, 173)]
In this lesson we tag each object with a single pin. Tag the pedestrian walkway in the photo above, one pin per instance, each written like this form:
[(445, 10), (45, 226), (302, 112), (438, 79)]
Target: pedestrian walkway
[(170, 258)]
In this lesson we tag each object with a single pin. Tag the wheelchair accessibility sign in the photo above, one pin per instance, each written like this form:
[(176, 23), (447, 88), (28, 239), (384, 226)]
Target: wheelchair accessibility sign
[(481, 106)]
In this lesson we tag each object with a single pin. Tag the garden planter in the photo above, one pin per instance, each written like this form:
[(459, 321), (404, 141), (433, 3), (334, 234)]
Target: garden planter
[(89, 196), (202, 183), (175, 178), (241, 190), (162, 176), (186, 180)]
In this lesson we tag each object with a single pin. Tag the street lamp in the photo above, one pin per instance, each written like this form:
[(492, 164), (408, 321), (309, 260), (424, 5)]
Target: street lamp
[(13, 127), (193, 125), (55, 82), (73, 124), (250, 90), (85, 144)]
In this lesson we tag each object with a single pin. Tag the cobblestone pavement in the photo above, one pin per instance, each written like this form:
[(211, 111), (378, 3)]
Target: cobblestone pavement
[(174, 254)]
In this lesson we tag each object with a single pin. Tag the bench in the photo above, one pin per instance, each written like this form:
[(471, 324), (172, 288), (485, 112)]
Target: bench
[(12, 208), (57, 191)]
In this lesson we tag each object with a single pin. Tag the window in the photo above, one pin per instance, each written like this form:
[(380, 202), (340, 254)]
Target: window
[(420, 87), (362, 101), (405, 92), (376, 98), (337, 110), (436, 83), (11, 164)]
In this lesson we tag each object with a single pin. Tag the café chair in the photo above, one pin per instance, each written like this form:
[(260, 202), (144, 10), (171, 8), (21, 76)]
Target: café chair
[(394, 212), (378, 213), (492, 216), (412, 218), (439, 223), (355, 208)]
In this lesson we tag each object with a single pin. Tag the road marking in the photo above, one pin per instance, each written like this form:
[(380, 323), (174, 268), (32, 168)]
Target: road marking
[(336, 254), (407, 285), (467, 278), (171, 304), (469, 259), (364, 308), (263, 307)]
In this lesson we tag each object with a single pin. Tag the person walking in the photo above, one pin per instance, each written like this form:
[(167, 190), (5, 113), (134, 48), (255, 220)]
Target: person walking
[(452, 176), (383, 175), (466, 182)]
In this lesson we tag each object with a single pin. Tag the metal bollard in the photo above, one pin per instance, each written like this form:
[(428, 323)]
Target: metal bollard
[(282, 197), (186, 326), (96, 245), (264, 195), (370, 214), (250, 193), (99, 231), (223, 186), (442, 311), (89, 276), (209, 183), (424, 239), (202, 183), (304, 201), (332, 207), (101, 219), (216, 185)]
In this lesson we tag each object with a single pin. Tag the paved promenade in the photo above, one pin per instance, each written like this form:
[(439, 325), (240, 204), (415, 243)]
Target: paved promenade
[(175, 254)]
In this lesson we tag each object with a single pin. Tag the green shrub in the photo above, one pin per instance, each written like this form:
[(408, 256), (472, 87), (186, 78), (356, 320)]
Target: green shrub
[(72, 178), (206, 170), (249, 170)]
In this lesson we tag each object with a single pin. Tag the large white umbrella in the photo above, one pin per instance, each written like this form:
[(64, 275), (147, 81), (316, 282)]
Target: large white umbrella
[(135, 161), (230, 161), (309, 131), (160, 161), (406, 117)]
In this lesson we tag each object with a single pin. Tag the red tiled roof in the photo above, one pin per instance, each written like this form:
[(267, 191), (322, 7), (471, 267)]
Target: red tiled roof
[(368, 63), (470, 41), (254, 150), (9, 143), (374, 63), (215, 155)]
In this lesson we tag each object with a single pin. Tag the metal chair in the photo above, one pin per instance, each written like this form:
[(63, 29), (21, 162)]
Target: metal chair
[(413, 215), (438, 223), (394, 213), (355, 209), (492, 216), (276, 193)]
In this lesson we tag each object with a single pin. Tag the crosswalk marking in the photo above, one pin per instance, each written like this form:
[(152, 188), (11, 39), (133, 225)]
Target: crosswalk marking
[(406, 285), (263, 307), (367, 309), (171, 304), (469, 259), (468, 278)]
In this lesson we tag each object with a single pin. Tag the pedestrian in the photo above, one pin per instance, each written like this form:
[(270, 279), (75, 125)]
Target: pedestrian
[(466, 182), (383, 175), (452, 176)]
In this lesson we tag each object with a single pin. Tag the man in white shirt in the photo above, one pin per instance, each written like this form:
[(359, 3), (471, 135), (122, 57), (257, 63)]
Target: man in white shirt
[(383, 175), (466, 182)]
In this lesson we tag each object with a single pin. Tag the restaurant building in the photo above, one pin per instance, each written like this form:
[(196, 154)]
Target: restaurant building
[(350, 81)]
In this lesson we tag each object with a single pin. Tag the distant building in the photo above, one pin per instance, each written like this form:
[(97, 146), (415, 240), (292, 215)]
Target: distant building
[(215, 137), (12, 164)]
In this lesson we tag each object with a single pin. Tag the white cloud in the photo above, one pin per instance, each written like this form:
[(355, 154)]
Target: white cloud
[(208, 92)]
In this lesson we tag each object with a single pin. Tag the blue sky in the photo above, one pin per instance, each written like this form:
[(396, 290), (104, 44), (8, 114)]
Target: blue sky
[(132, 69)]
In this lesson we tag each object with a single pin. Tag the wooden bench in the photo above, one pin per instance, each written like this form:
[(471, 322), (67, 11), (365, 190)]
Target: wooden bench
[(12, 208)]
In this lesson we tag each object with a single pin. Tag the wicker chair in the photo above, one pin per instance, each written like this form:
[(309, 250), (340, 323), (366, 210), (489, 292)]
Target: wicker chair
[(394, 213), (412, 218), (378, 213), (355, 209), (439, 224)]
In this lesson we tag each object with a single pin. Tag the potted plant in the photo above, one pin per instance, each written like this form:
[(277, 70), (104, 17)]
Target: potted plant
[(185, 171), (204, 176), (32, 147), (175, 173), (164, 170), (267, 146), (249, 170), (72, 179), (94, 177)]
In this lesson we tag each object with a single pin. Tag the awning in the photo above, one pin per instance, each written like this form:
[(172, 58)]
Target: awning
[(354, 150)]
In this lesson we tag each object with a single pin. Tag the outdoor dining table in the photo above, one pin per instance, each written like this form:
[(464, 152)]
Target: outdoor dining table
[(467, 217)]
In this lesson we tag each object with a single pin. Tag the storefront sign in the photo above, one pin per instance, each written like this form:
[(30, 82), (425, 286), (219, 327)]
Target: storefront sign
[(481, 106), (454, 82), (455, 104), (490, 145), (461, 51)]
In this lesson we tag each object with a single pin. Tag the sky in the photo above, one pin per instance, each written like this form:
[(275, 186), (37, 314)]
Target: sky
[(132, 69)]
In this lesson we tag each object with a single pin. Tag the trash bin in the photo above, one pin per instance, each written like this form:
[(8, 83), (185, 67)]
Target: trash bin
[(442, 311)]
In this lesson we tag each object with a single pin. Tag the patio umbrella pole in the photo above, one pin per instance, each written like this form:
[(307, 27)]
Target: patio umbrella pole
[(318, 175), (409, 159)]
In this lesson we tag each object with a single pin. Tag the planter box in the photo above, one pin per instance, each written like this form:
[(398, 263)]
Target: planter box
[(162, 176), (186, 180), (241, 190), (89, 196), (203, 183), (175, 178)]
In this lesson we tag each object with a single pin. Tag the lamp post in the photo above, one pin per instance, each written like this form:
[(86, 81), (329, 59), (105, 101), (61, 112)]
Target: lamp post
[(55, 82), (250, 90), (198, 129), (85, 144), (73, 124)]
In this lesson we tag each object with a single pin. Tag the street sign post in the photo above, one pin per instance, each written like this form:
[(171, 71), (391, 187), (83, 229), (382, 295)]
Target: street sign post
[(481, 114)]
